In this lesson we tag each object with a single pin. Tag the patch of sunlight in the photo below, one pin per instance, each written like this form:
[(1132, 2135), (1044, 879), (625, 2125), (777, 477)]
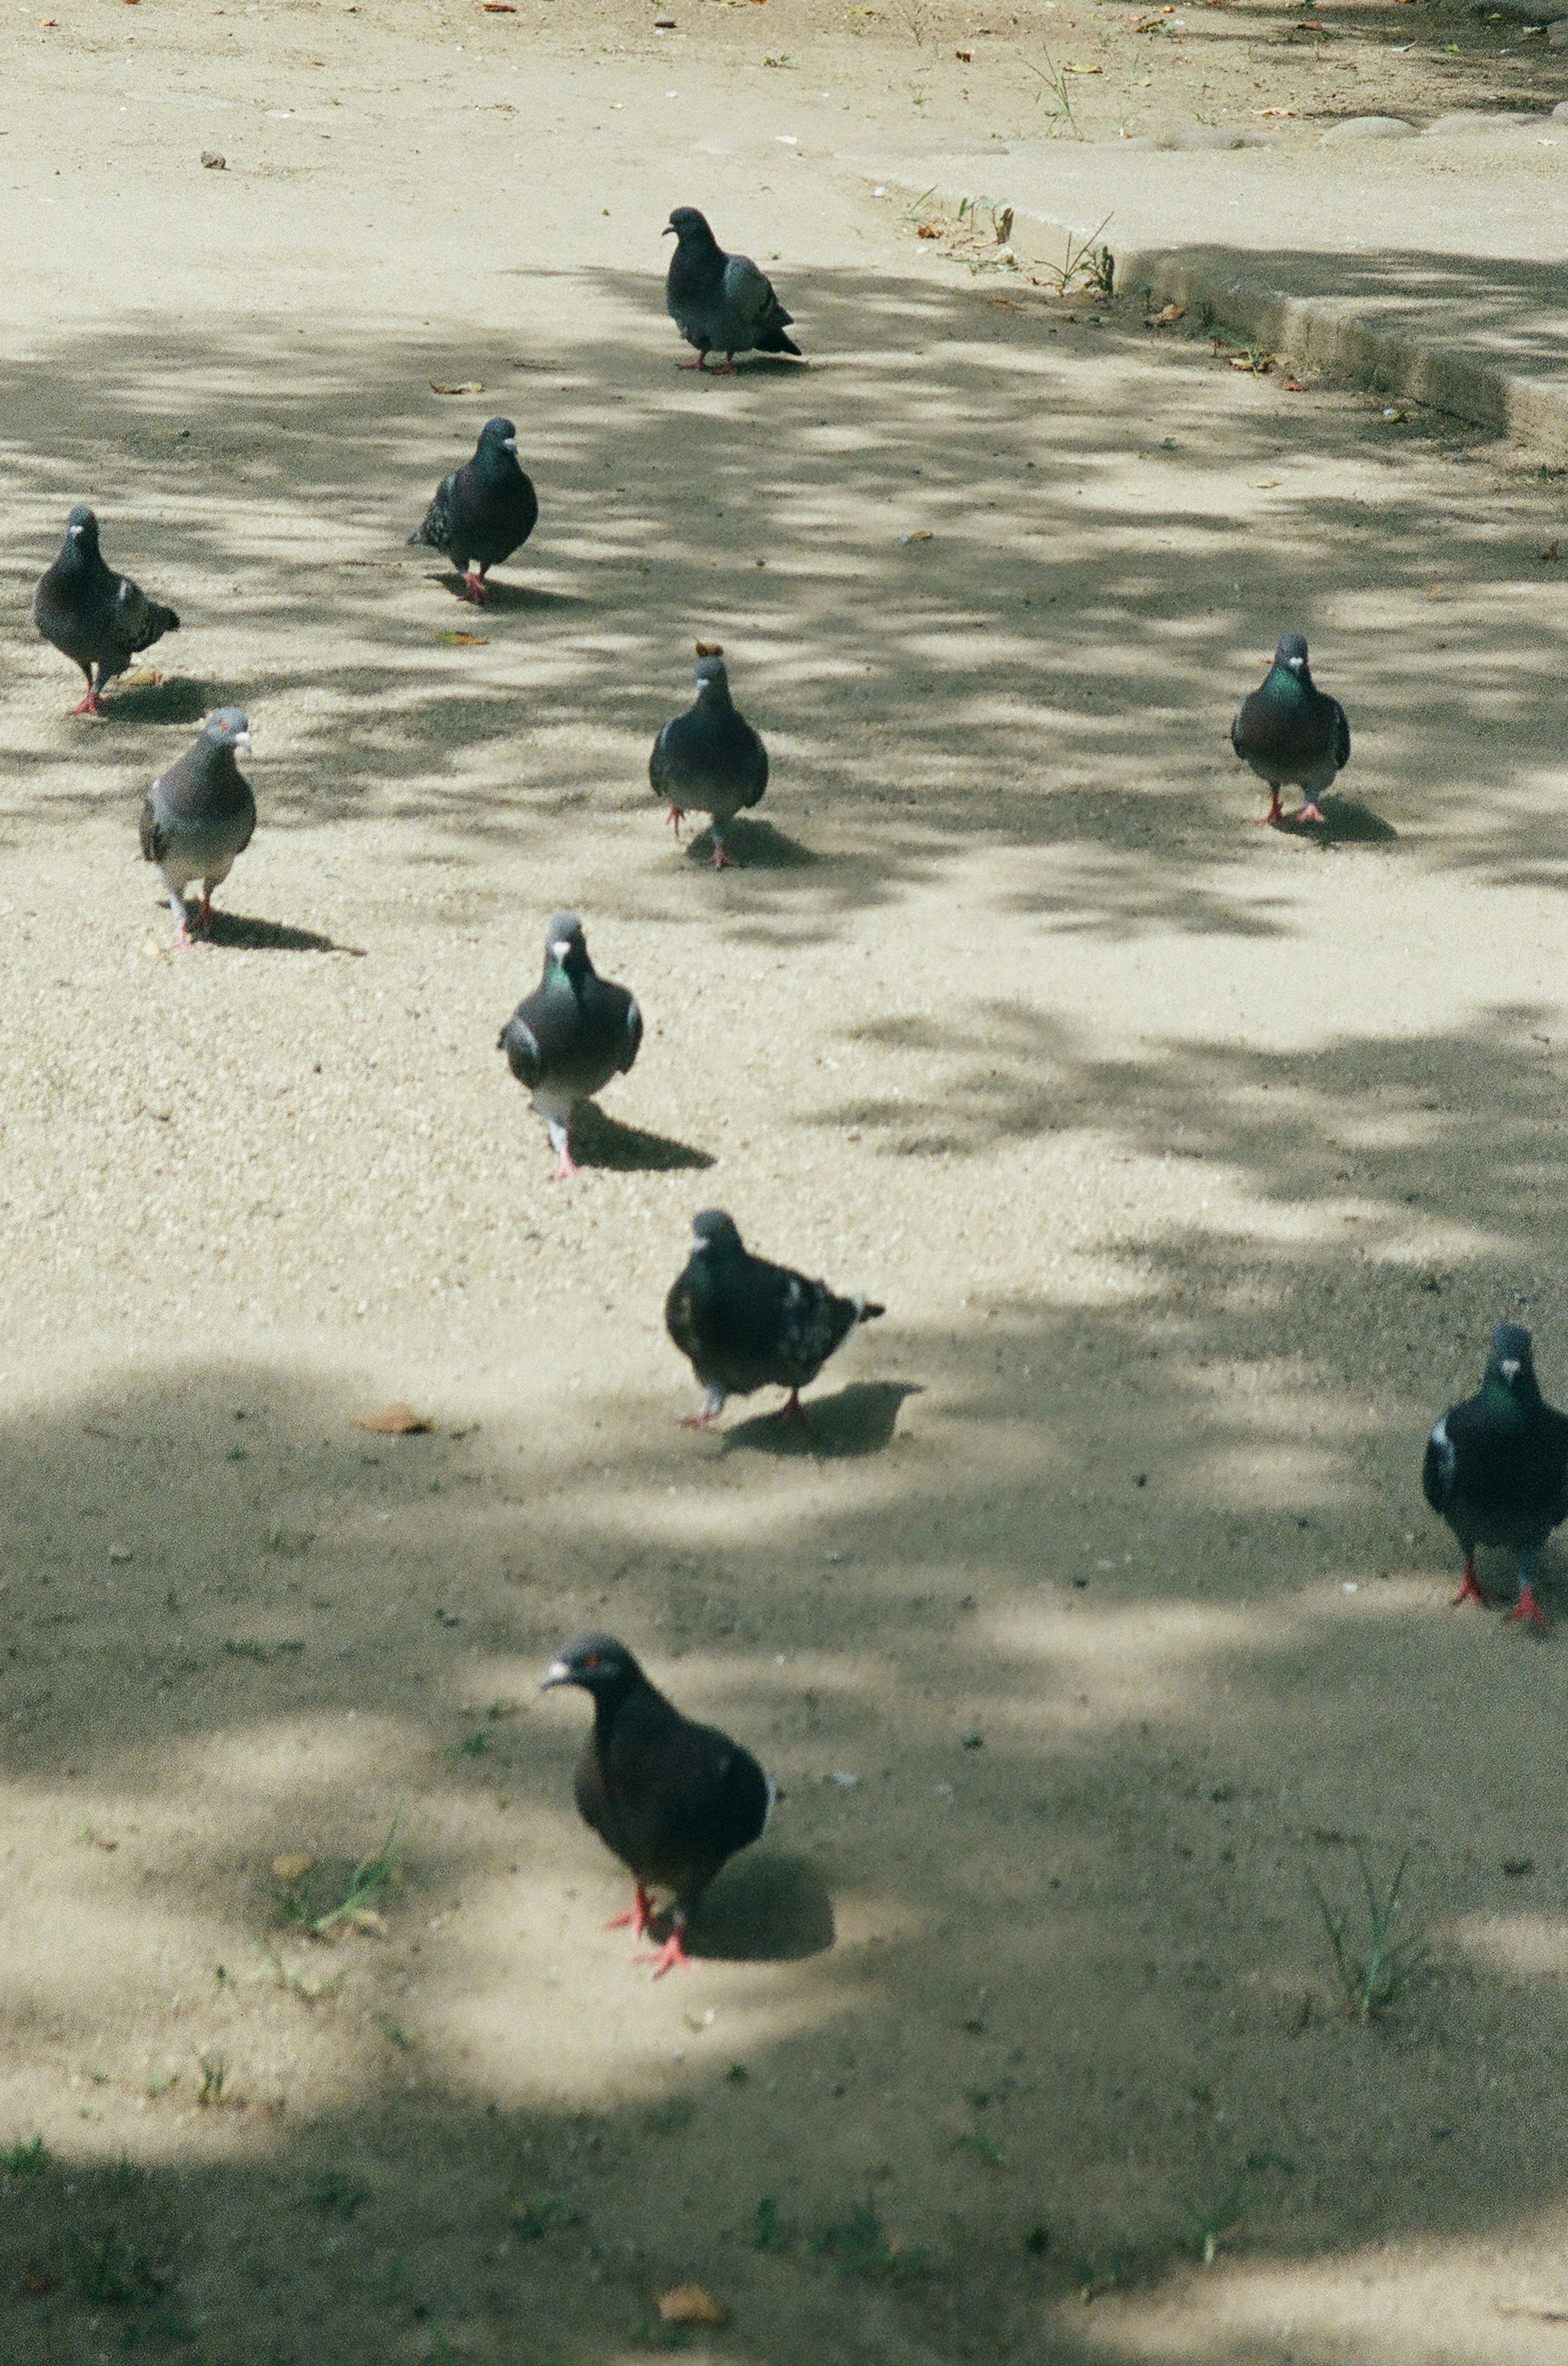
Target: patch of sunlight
[(1399, 2305), (1527, 1945)]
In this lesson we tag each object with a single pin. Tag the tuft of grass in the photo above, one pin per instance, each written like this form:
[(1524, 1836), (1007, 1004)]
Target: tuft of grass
[(1208, 2223), (1052, 92), (112, 2273), (860, 2246), (26, 2160), (473, 1745), (395, 2033), (531, 2221), (370, 1878), (214, 2079), (307, 1991), (1084, 260), (337, 2192), (1372, 1973), (127, 2176)]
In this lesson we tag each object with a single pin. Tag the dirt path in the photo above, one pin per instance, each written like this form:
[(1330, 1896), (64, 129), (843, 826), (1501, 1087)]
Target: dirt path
[(1100, 1620)]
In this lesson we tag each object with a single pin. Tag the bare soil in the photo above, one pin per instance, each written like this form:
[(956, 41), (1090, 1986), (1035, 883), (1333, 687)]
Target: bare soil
[(1095, 1626)]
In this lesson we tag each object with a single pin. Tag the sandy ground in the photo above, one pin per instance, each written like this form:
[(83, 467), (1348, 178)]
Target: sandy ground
[(1098, 1620)]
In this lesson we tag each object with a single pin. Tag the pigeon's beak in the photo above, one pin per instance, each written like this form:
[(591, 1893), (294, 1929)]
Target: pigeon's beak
[(560, 950), (242, 739), (75, 532), (1509, 1368), (558, 1673), (508, 443), (668, 230)]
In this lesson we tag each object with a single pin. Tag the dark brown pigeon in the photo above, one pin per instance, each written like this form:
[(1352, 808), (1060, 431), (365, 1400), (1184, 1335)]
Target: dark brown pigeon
[(672, 1799)]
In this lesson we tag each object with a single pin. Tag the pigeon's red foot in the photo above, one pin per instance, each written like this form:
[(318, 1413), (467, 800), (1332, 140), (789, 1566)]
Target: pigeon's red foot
[(724, 369), (1312, 811), (1526, 1611), (639, 1914), (569, 1170), (473, 588), (698, 1420), (791, 1410), (719, 861), (1469, 1590), (699, 364), (89, 706), (677, 814), (185, 942), (1275, 813), (671, 1958)]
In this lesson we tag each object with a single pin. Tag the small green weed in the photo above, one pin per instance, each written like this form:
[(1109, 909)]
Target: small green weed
[(767, 2226), (859, 2245), (473, 1745), (532, 2220), (1208, 2223), (395, 2033), (26, 2160), (371, 1877), (334, 2191), (111, 2273), (1375, 1973), (214, 2079)]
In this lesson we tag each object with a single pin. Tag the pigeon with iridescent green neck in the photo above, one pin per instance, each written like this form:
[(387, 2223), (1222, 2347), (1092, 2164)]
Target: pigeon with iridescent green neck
[(1292, 734), (1496, 1469), (567, 1039)]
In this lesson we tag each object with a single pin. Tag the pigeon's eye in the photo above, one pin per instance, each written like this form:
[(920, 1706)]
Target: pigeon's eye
[(592, 1659)]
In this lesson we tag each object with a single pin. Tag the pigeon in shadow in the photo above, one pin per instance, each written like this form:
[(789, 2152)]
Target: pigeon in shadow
[(1292, 733), (199, 815), (746, 1324), (720, 303), (93, 615), (482, 512), (567, 1039), (710, 757), (1496, 1469), (672, 1799)]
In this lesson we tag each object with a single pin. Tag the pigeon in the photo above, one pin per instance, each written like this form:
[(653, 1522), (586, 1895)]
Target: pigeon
[(482, 512), (1497, 1468), (1289, 730), (710, 757), (200, 815), (93, 615), (672, 1799), (746, 1324), (720, 303), (567, 1039)]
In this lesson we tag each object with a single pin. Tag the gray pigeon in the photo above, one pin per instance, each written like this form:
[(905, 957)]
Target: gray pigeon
[(200, 815), (1496, 1469), (567, 1039), (93, 615), (720, 303), (1290, 731), (745, 1324), (482, 512), (710, 757)]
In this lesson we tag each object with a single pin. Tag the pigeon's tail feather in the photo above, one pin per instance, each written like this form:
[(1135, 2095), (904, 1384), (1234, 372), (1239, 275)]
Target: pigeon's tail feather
[(774, 341)]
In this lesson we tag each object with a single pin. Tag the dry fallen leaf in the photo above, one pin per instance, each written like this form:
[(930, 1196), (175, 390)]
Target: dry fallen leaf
[(455, 640), (1172, 314), (927, 229), (211, 162), (466, 386), (141, 677), (1264, 484), (1551, 552), (1436, 592), (292, 1867), (1085, 69), (921, 534), (1276, 110), (690, 2304), (1291, 386), (366, 1919), (497, 7), (393, 1421)]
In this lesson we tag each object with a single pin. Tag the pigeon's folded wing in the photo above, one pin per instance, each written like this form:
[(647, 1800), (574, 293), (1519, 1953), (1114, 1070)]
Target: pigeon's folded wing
[(749, 296)]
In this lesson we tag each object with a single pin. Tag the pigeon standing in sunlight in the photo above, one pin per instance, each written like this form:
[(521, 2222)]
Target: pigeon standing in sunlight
[(567, 1039), (200, 815), (1292, 733), (720, 303), (93, 615), (1497, 1468), (746, 1324), (482, 512), (710, 757), (672, 1799)]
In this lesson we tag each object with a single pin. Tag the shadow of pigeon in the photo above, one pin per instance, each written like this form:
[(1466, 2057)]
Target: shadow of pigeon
[(757, 846), (177, 701), (236, 929), (770, 1909), (1346, 822), (859, 1419), (601, 1141), (508, 598)]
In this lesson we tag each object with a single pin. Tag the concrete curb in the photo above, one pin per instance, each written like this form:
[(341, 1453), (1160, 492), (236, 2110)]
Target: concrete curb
[(1225, 284)]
